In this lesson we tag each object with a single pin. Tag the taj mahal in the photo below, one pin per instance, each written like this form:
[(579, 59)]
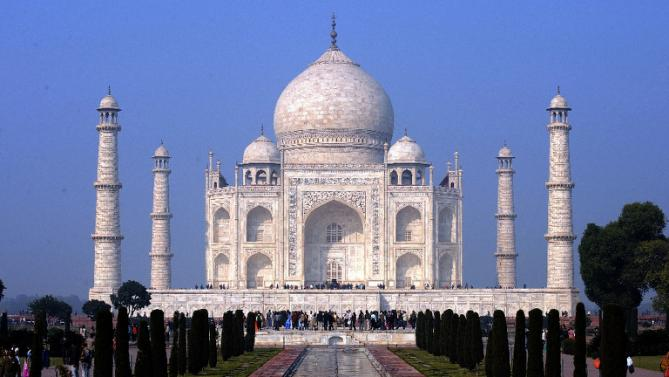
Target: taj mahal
[(340, 199)]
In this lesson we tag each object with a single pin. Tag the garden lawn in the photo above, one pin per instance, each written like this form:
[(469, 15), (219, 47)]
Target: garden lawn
[(647, 362), (240, 366), (432, 366)]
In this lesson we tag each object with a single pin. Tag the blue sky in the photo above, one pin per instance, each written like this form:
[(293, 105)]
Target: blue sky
[(462, 76)]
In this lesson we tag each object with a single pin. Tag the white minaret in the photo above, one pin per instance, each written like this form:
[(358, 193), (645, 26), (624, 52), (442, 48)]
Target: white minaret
[(161, 253), (560, 236), (107, 237), (506, 229)]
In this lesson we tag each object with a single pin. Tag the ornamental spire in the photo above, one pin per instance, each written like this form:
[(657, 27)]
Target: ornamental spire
[(109, 90), (333, 33)]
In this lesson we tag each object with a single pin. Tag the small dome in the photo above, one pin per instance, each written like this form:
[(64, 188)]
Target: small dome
[(108, 102), (406, 150), (558, 102), (161, 151), (261, 150), (505, 152)]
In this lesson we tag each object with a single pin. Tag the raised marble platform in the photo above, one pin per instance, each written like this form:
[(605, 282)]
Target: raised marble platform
[(482, 301), (335, 338)]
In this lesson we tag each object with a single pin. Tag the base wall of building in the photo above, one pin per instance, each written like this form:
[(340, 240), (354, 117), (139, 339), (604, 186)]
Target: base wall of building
[(482, 301)]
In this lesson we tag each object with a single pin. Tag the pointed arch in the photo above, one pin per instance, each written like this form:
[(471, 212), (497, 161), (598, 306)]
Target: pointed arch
[(221, 226), (445, 271), (261, 177), (221, 268), (445, 225), (408, 270), (409, 225), (258, 271), (259, 225), (393, 178), (407, 178)]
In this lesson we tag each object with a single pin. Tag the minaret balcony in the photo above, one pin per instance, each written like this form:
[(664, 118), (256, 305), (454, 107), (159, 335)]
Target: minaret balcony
[(560, 185), (108, 186), (559, 126), (106, 237), (108, 127), (503, 216), (560, 237), (161, 215)]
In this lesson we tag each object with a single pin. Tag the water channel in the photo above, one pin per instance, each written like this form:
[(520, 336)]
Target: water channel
[(335, 362)]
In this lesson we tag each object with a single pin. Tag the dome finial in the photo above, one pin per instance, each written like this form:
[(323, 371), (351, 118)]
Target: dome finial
[(405, 132), (558, 89), (109, 90), (262, 129), (333, 33)]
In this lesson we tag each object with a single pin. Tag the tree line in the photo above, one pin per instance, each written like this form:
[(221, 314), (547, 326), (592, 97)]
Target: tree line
[(459, 337)]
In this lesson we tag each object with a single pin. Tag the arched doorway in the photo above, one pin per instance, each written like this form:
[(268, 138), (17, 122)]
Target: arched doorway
[(409, 225), (221, 264), (445, 271), (259, 227), (221, 226), (408, 270), (258, 271), (334, 245)]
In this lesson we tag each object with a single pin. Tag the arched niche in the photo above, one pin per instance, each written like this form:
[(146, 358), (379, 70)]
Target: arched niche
[(221, 226), (258, 271), (446, 225), (408, 270), (259, 225), (409, 225)]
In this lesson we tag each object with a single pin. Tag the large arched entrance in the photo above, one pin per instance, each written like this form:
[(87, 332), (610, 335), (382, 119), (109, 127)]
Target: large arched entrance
[(445, 271), (408, 270), (334, 245), (258, 271)]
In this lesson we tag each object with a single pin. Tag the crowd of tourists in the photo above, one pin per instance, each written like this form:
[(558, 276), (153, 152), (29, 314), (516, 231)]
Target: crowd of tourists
[(331, 320), (17, 363)]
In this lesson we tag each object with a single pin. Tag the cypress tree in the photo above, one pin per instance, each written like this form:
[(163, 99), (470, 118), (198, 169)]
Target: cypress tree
[(104, 333), (249, 341), (519, 358), (193, 359), (213, 352), (228, 336), (580, 368), (4, 331), (443, 334), (462, 336), (613, 342), (553, 345), (238, 333), (39, 334), (203, 334), (420, 326), (158, 356), (429, 330), (535, 353), (121, 354), (436, 339), (143, 363), (453, 341), (469, 341), (173, 370), (477, 339), (182, 360), (501, 346), (489, 354)]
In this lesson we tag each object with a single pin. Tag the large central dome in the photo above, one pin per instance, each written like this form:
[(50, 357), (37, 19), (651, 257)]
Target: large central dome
[(333, 111)]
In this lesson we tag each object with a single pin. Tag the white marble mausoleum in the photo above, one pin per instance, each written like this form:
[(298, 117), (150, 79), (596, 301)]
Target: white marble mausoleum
[(335, 200)]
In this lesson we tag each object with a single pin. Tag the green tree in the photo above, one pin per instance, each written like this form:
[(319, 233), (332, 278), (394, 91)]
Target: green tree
[(39, 336), (238, 336), (453, 342), (182, 360), (420, 330), (173, 370), (519, 357), (195, 344), (553, 344), (429, 330), (436, 337), (469, 362), (92, 307), (132, 295), (54, 308), (535, 352), (500, 345), (614, 342), (249, 341), (489, 355), (203, 336), (614, 265), (143, 363), (445, 331), (213, 351), (462, 336), (580, 367), (121, 354), (655, 255), (104, 339), (4, 331), (228, 335), (158, 355), (477, 339)]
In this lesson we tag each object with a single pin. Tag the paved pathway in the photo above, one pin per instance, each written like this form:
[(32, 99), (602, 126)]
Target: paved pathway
[(392, 364), (279, 365), (335, 362)]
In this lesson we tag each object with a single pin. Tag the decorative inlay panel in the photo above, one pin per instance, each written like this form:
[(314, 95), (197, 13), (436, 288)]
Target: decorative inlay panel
[(312, 199)]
